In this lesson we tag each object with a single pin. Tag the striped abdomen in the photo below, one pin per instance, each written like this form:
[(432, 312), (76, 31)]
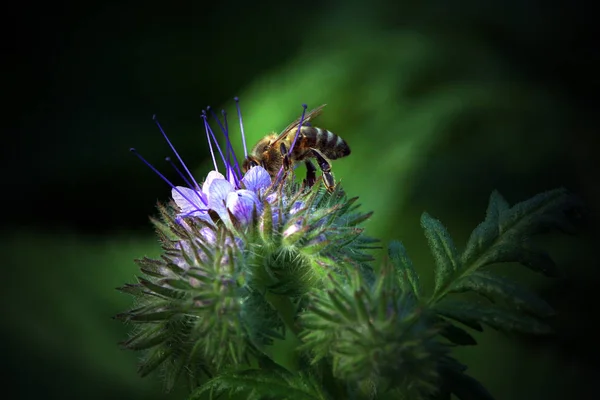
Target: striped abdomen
[(328, 143)]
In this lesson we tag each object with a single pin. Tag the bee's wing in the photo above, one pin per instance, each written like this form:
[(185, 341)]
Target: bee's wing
[(307, 117)]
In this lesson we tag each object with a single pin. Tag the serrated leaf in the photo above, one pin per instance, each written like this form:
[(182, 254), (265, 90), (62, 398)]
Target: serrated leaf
[(491, 315), (491, 285), (408, 277), (536, 260), (486, 232), (456, 335), (497, 206), (443, 249), (524, 216)]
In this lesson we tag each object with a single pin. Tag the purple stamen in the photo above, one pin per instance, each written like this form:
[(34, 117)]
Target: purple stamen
[(229, 149), (212, 153), (187, 182), (237, 105), (212, 134), (304, 106), (226, 132), (197, 187), (164, 178)]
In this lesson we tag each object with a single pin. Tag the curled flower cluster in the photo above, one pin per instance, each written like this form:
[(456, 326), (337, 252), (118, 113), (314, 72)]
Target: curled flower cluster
[(227, 242)]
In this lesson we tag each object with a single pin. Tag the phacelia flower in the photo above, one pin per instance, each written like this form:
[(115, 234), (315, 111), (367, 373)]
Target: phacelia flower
[(228, 243)]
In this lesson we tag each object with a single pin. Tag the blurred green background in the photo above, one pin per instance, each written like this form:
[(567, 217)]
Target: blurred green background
[(441, 102)]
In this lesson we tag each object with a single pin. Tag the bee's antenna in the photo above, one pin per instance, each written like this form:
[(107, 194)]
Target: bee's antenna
[(164, 178), (175, 151), (237, 105), (304, 107)]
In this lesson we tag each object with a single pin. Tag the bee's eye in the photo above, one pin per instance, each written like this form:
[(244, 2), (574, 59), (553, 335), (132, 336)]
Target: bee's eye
[(253, 163)]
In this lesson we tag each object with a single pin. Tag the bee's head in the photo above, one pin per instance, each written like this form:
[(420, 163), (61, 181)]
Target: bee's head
[(250, 162)]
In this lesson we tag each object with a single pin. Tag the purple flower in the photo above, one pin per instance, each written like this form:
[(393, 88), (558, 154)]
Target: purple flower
[(227, 194), (221, 195), (231, 193)]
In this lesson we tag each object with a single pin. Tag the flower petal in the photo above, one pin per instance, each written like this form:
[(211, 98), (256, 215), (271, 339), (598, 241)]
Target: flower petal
[(188, 200), (257, 178), (241, 203), (231, 175), (212, 175), (217, 194)]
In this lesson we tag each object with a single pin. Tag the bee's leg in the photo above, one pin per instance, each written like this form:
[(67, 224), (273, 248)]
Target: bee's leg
[(325, 168), (286, 159), (311, 175)]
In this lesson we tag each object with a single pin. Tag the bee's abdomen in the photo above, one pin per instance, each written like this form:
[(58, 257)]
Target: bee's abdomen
[(330, 144)]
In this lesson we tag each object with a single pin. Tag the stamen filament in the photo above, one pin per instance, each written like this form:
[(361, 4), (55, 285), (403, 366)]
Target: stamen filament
[(197, 187), (229, 149), (212, 134), (212, 153), (237, 105), (187, 182), (164, 178)]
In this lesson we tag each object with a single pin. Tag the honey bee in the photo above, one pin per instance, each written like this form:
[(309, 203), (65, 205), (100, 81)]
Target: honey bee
[(272, 151)]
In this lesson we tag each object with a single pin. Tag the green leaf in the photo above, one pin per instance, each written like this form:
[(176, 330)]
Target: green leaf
[(503, 235), (455, 334), (263, 384), (486, 232), (491, 286), (525, 216), (536, 260), (497, 206), (407, 276), (442, 247), (498, 318)]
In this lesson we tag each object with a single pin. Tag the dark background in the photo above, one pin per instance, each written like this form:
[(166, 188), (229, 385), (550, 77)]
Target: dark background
[(441, 102)]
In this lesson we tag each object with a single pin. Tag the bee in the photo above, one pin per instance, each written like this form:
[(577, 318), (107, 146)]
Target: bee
[(272, 151)]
